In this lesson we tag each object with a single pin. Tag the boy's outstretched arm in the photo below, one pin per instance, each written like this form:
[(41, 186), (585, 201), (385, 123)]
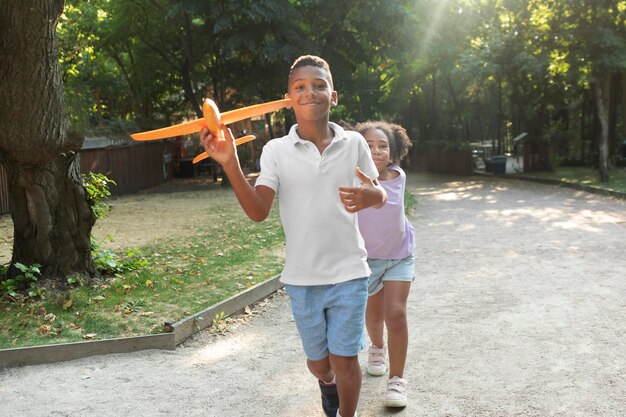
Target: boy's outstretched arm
[(369, 194), (256, 202)]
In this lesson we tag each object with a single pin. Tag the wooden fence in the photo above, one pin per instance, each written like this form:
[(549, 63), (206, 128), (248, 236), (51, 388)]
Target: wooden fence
[(134, 167), (443, 161)]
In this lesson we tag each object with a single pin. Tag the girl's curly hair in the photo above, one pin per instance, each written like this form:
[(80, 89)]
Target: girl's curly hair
[(399, 141)]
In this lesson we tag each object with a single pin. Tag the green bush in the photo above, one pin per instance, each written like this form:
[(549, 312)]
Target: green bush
[(97, 189), (24, 281)]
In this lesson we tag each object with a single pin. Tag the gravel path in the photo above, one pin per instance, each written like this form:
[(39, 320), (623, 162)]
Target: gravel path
[(518, 309)]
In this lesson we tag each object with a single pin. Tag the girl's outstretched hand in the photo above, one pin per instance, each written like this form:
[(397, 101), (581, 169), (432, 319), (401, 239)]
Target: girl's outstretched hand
[(369, 194)]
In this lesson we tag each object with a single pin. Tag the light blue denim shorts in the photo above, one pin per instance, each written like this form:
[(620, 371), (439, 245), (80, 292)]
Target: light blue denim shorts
[(390, 270), (330, 318)]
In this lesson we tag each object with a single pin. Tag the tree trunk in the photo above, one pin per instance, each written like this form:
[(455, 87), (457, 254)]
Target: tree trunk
[(497, 141), (52, 220), (614, 88), (434, 123), (583, 125), (190, 93), (457, 109), (601, 86), (624, 103), (51, 215), (187, 67)]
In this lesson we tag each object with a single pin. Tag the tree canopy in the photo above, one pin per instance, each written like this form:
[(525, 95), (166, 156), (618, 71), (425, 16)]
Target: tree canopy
[(455, 71)]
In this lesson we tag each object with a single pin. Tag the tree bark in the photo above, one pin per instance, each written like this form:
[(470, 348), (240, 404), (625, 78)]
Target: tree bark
[(51, 215), (434, 123), (614, 88), (623, 103), (457, 109), (187, 67), (497, 141), (602, 89)]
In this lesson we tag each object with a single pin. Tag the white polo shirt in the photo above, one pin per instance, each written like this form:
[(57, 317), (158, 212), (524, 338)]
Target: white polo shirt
[(323, 243)]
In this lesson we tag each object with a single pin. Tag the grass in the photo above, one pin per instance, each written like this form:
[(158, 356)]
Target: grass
[(180, 277), (586, 176), (184, 276), (409, 203)]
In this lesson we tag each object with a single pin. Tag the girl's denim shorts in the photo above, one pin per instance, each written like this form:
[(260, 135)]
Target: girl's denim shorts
[(390, 270)]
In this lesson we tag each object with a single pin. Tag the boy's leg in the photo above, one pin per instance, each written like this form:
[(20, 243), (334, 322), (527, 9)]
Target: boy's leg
[(348, 374), (330, 397), (321, 369), (307, 304), (346, 321), (395, 298)]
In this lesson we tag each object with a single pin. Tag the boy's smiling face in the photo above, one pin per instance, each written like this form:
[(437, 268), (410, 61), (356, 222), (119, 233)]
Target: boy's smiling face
[(311, 92)]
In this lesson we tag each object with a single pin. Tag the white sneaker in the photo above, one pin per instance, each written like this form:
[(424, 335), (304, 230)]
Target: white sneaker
[(396, 393), (376, 361)]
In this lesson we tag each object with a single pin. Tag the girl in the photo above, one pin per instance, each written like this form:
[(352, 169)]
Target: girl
[(390, 243)]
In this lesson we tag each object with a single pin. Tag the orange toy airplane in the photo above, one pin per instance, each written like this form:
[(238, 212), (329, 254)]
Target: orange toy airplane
[(213, 120)]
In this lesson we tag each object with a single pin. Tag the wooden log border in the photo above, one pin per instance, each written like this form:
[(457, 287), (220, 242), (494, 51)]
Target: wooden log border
[(558, 183), (575, 186), (179, 332)]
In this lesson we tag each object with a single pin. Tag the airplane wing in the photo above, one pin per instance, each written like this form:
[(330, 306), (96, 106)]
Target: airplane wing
[(238, 142), (243, 113), (226, 118), (186, 128)]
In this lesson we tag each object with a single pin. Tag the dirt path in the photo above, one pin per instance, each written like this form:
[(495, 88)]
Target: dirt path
[(518, 310), (167, 211)]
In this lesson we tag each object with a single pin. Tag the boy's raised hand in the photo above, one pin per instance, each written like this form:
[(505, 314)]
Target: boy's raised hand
[(223, 151), (369, 194)]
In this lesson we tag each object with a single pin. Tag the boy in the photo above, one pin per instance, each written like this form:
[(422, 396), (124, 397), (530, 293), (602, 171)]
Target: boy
[(325, 274)]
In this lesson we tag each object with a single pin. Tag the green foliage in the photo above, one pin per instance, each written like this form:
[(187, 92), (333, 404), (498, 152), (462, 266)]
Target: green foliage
[(585, 176), (97, 189), (219, 325), (462, 71), (409, 203), (225, 256), (76, 280), (150, 61), (109, 263), (24, 281), (106, 261)]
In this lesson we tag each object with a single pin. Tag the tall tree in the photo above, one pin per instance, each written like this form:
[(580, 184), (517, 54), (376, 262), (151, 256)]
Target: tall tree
[(50, 211)]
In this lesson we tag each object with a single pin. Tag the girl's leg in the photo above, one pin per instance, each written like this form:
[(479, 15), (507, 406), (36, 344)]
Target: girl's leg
[(394, 306), (375, 319)]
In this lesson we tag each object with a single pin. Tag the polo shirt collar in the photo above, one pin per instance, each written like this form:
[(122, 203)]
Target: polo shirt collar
[(340, 134)]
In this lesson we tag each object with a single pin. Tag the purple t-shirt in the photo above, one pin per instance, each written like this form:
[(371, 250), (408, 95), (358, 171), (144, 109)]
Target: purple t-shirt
[(387, 232)]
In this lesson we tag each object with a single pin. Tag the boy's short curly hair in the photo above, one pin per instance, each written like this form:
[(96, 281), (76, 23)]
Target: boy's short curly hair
[(313, 61), (399, 141)]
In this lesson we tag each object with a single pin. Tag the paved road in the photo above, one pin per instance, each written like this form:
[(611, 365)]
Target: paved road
[(519, 309)]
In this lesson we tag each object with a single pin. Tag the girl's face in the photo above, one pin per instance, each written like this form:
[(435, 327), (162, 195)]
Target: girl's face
[(379, 147)]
